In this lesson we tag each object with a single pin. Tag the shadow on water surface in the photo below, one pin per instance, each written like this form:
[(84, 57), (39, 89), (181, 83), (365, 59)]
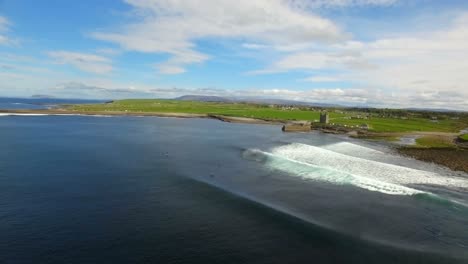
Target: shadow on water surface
[(308, 241)]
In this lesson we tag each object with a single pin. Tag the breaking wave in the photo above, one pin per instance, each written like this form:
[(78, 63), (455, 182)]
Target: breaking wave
[(322, 164), (313, 172), (381, 171), (356, 150)]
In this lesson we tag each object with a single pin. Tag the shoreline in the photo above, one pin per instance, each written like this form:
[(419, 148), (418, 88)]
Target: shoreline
[(61, 111), (454, 158)]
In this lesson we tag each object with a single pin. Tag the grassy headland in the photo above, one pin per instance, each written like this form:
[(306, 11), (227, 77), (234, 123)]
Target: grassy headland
[(195, 107), (390, 121)]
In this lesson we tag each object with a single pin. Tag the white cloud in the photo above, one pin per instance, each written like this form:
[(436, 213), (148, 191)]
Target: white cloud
[(3, 24), (3, 40), (321, 79), (108, 51), (434, 61), (339, 3), (314, 60), (169, 69), (79, 86), (424, 68), (4, 28), (254, 46), (173, 27), (84, 61)]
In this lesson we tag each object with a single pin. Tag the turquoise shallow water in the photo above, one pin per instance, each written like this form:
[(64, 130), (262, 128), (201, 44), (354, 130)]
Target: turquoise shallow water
[(81, 189)]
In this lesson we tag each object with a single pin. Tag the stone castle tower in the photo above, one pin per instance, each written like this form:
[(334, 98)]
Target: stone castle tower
[(324, 118)]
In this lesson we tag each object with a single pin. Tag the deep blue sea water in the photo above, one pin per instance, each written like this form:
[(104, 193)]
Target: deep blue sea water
[(83, 189), (39, 103)]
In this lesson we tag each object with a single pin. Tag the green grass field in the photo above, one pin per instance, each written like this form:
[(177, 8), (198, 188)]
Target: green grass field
[(434, 142), (376, 124), (399, 125), (192, 107), (464, 137)]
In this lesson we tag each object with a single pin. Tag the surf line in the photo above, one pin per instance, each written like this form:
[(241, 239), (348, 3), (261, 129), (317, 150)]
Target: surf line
[(313, 172)]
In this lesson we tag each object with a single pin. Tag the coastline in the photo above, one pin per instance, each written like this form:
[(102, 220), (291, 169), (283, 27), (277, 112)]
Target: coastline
[(61, 111), (455, 158)]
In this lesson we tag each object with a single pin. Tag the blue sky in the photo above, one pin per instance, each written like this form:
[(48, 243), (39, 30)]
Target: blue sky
[(391, 53)]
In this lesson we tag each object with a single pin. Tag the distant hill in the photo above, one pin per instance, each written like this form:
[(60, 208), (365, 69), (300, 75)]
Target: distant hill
[(284, 102), (442, 110), (42, 96), (203, 98), (254, 100)]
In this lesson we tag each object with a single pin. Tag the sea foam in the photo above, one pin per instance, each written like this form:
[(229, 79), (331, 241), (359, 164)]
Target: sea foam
[(323, 174), (362, 167), (355, 150)]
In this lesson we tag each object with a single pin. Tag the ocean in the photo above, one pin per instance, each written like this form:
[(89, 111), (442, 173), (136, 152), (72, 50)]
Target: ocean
[(86, 189), (39, 103)]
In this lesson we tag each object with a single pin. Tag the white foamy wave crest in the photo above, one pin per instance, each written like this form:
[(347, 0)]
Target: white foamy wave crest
[(365, 168), (316, 173), (354, 150)]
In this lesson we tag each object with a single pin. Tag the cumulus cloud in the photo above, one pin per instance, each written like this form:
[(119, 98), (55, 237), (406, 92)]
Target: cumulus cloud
[(84, 61), (173, 27), (434, 61), (420, 67)]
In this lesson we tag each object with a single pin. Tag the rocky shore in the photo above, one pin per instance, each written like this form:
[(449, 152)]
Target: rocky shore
[(453, 158)]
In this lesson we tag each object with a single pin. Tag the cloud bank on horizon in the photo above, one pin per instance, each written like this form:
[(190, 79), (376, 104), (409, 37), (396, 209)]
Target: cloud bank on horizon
[(382, 53)]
